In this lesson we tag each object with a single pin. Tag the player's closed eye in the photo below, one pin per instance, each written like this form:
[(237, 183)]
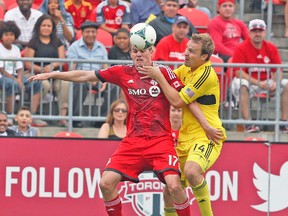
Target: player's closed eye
[(120, 110)]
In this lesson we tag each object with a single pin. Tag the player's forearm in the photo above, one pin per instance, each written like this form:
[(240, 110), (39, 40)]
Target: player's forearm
[(171, 94), (73, 76), (198, 114)]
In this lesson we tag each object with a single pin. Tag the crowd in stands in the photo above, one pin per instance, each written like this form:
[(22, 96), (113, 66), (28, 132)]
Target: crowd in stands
[(51, 29)]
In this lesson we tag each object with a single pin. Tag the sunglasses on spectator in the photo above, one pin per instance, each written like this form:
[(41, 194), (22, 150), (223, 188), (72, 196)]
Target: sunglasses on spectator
[(120, 110), (258, 26)]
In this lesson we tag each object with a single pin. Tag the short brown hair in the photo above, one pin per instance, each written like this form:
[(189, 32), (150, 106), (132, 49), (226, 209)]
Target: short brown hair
[(208, 45)]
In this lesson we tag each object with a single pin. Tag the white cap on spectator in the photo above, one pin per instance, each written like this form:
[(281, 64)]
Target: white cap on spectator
[(181, 19), (257, 24)]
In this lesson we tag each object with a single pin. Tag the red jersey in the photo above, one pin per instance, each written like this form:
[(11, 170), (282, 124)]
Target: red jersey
[(113, 17), (226, 34), (247, 53), (170, 50), (79, 14), (148, 107)]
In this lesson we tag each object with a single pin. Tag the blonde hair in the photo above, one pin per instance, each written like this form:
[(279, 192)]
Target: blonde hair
[(110, 118), (208, 45)]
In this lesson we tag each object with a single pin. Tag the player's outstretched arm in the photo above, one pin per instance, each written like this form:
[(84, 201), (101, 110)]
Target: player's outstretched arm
[(212, 133), (74, 76)]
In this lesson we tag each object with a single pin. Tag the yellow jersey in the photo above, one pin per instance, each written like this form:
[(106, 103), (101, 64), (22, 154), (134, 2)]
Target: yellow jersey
[(201, 85)]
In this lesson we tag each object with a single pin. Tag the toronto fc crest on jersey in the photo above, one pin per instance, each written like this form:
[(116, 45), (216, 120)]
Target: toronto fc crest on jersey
[(146, 196), (154, 90)]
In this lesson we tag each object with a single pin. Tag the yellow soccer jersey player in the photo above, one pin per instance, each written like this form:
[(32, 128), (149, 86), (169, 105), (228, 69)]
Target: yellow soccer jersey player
[(201, 85)]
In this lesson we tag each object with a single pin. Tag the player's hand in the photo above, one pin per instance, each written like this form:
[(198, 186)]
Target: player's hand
[(149, 72), (38, 77), (214, 134)]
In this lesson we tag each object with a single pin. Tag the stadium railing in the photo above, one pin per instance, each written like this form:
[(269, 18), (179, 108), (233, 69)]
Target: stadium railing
[(91, 110)]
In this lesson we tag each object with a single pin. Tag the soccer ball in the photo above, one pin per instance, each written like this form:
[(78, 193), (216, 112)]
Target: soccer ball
[(142, 36)]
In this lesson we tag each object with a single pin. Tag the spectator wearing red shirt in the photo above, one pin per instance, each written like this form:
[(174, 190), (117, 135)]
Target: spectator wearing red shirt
[(225, 30), (113, 15), (80, 11), (254, 80), (172, 47)]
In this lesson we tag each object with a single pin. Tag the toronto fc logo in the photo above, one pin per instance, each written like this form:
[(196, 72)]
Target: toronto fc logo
[(146, 197), (154, 91)]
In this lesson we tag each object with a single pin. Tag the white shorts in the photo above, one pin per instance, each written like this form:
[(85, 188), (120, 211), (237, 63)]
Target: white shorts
[(253, 89)]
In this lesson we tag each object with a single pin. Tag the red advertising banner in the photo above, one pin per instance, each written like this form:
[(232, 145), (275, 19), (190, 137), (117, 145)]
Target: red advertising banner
[(60, 177)]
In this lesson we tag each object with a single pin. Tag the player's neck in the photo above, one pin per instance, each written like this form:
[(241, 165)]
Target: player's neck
[(175, 125)]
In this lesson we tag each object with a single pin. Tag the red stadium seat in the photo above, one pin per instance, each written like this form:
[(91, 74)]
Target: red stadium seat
[(8, 4), (198, 18), (221, 76), (2, 13), (11, 6), (37, 3), (102, 36), (14, 5), (68, 134), (254, 139), (278, 2), (105, 38)]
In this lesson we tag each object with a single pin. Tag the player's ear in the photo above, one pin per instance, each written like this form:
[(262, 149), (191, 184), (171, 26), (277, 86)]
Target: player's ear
[(204, 57), (151, 49)]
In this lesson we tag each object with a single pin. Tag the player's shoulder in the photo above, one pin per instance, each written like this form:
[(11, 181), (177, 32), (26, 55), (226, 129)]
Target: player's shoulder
[(121, 67), (162, 67), (182, 69)]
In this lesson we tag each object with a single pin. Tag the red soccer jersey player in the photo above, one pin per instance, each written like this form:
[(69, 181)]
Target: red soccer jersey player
[(145, 99)]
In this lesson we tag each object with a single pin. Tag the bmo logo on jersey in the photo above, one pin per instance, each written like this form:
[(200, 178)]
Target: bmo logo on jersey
[(153, 91), (137, 91)]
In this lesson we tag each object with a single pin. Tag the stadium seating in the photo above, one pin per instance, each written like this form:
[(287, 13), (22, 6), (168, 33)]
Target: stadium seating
[(38, 2), (263, 99), (198, 18), (103, 36), (9, 4), (276, 2), (68, 134), (2, 12), (254, 139)]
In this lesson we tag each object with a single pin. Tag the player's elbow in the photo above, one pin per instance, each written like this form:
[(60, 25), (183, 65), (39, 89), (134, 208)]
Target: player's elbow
[(177, 103)]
